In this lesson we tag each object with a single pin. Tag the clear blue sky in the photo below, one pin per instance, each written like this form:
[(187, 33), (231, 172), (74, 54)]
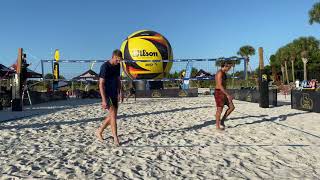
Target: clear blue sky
[(84, 29)]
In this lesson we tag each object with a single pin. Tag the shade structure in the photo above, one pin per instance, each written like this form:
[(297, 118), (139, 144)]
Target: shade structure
[(89, 75), (5, 71), (30, 73), (33, 74)]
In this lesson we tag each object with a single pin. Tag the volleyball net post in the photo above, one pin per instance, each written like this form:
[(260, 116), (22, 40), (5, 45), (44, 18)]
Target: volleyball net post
[(263, 82)]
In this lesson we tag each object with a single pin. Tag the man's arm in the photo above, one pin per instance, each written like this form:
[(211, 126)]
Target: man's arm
[(102, 89), (119, 86)]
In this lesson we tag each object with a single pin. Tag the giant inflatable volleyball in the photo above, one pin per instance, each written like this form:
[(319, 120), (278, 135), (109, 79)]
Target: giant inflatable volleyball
[(146, 46)]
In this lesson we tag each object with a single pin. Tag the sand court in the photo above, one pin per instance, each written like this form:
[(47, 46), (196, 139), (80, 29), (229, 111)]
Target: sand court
[(163, 138)]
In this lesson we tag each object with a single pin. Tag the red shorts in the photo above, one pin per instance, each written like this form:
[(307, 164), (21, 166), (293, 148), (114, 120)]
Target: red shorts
[(221, 98)]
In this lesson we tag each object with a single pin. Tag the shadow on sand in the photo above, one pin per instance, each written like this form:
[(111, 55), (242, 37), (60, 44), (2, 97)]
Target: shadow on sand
[(43, 109), (212, 123), (121, 117)]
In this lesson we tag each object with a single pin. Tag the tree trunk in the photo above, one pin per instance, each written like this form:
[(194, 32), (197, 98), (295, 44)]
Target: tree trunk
[(286, 68), (305, 71), (246, 75), (305, 61), (292, 69), (282, 71), (274, 73), (233, 76)]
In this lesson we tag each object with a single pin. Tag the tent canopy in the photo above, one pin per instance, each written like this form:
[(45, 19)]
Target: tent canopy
[(33, 74), (5, 71), (89, 75), (30, 73), (203, 74)]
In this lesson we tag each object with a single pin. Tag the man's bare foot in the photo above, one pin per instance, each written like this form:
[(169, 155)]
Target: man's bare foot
[(222, 123), (220, 128), (99, 135), (116, 141)]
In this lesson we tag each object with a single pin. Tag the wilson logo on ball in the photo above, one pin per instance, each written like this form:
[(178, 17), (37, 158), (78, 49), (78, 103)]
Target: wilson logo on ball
[(146, 45), (137, 53)]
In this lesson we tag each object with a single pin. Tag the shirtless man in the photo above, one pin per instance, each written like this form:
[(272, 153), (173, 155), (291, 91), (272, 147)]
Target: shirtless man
[(221, 96)]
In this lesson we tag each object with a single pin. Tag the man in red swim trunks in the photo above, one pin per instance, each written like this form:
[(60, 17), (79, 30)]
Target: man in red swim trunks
[(221, 96)]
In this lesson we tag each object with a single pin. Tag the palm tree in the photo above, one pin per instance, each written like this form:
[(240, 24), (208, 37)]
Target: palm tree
[(273, 60), (307, 47), (293, 55), (284, 55), (304, 57), (280, 61), (235, 61), (286, 58), (314, 14), (246, 52)]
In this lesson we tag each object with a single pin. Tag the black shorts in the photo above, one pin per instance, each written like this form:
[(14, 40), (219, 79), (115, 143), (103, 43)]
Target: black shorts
[(132, 91), (112, 101)]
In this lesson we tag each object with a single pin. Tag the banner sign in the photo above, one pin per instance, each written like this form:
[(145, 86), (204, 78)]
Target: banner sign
[(305, 100), (56, 69), (312, 84), (187, 76), (57, 55)]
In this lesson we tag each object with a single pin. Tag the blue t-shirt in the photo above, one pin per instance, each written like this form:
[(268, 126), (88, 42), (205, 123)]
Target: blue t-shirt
[(111, 74)]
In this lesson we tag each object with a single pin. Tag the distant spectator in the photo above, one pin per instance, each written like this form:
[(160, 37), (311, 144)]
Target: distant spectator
[(68, 94), (132, 91)]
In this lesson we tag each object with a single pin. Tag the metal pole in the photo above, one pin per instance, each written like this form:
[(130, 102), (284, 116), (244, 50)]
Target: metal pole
[(17, 85), (52, 81), (42, 70)]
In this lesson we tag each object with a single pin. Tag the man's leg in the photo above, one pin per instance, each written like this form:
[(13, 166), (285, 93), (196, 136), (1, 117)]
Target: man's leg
[(122, 96), (218, 115), (100, 130), (113, 123), (128, 96), (227, 113)]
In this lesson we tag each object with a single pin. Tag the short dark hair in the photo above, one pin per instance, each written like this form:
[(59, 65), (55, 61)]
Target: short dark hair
[(117, 53), (225, 63)]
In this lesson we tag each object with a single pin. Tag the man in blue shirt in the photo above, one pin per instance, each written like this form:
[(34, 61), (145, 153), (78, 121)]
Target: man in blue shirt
[(109, 85)]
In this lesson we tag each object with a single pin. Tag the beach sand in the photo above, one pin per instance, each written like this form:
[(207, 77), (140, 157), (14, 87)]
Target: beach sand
[(162, 138)]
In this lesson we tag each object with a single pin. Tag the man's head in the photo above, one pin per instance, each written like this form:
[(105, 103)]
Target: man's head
[(116, 56), (226, 66)]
